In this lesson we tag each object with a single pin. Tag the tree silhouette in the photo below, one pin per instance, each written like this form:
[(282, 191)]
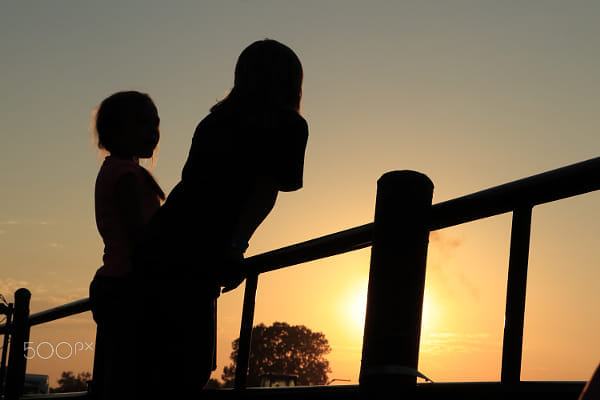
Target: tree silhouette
[(283, 349), (68, 382)]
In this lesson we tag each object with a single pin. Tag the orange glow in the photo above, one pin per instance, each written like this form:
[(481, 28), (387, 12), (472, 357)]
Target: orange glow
[(431, 317), (356, 307)]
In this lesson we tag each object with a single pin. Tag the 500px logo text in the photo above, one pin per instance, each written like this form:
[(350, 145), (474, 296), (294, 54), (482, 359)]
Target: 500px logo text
[(62, 350)]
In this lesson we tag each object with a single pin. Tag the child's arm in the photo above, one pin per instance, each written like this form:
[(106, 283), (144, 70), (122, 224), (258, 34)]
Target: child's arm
[(129, 205)]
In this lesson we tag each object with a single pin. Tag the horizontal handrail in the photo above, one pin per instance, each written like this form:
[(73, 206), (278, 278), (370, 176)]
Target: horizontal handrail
[(521, 195), (52, 314), (314, 249), (561, 183), (62, 311), (543, 188)]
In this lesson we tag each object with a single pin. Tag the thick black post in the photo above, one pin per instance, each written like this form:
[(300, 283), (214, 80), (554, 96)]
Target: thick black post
[(243, 356), (516, 288), (17, 363), (396, 281)]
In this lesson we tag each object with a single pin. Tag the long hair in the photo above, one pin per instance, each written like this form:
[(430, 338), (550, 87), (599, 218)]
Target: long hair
[(268, 74)]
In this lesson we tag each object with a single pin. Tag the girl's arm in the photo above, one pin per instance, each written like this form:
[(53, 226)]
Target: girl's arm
[(282, 164), (256, 209)]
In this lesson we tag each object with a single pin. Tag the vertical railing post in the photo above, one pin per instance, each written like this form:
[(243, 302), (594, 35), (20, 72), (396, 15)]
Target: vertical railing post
[(512, 349), (17, 361), (243, 356), (396, 281)]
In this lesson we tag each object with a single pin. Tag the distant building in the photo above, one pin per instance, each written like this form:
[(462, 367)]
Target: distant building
[(278, 380), (36, 384)]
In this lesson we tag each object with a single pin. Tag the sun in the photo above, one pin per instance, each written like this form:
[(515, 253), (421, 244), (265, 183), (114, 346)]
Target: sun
[(355, 307), (431, 315), (359, 308)]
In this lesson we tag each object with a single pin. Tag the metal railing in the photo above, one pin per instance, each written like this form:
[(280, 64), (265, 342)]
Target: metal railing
[(518, 197), (404, 217)]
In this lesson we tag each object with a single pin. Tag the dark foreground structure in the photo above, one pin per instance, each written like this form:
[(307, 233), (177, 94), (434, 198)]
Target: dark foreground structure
[(399, 237)]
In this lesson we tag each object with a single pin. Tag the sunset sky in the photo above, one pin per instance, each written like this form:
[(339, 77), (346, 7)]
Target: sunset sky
[(471, 93)]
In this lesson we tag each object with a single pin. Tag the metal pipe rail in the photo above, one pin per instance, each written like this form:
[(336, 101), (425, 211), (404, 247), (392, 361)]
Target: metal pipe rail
[(518, 197), (65, 310), (543, 188), (52, 314)]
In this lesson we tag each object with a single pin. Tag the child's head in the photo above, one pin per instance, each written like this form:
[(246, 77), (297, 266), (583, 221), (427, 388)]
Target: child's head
[(127, 125), (268, 73)]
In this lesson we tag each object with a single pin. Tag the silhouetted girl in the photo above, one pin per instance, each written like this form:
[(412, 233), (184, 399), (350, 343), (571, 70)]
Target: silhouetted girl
[(250, 147), (126, 196)]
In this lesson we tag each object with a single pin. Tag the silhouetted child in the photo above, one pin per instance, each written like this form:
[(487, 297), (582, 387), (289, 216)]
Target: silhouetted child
[(126, 196), (250, 147)]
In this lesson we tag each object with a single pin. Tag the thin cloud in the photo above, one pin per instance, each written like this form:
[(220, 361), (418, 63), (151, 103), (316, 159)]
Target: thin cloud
[(445, 242), (8, 286), (454, 342), (43, 296), (447, 245), (17, 222)]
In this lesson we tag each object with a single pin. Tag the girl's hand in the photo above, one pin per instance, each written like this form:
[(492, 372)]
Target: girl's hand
[(233, 275)]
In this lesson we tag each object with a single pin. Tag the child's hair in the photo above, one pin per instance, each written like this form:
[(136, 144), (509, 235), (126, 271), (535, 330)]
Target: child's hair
[(267, 74), (112, 115)]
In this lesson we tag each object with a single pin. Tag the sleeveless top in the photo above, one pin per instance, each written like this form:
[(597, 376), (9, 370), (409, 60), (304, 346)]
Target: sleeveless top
[(118, 248)]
